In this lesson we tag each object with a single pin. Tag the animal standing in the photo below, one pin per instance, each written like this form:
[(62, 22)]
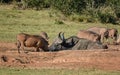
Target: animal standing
[(27, 40)]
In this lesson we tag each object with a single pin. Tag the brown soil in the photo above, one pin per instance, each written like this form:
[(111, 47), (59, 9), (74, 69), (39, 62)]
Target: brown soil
[(108, 59)]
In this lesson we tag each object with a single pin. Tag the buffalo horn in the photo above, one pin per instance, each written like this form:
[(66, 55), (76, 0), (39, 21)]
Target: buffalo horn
[(62, 36), (59, 36)]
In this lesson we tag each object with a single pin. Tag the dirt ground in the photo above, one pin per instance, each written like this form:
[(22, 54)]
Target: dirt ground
[(107, 59)]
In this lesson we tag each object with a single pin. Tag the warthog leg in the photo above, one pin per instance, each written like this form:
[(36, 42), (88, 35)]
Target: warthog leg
[(18, 46), (22, 46), (37, 49)]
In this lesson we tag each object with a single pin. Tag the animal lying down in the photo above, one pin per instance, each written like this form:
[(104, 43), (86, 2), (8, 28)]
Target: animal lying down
[(89, 35), (103, 32), (74, 43)]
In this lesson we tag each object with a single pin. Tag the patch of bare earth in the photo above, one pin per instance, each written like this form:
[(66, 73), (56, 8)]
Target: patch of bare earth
[(101, 59)]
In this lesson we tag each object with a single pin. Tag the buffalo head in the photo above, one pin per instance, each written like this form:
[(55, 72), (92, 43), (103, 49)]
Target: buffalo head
[(60, 43), (57, 43)]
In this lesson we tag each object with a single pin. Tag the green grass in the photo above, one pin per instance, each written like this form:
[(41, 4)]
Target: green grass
[(16, 71), (13, 21)]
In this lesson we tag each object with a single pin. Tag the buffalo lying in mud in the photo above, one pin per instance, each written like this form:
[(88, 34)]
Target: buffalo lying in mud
[(26, 40), (74, 43)]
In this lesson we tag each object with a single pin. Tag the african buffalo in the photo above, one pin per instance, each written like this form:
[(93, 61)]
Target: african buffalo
[(89, 35), (103, 32), (74, 43), (113, 33), (26, 40)]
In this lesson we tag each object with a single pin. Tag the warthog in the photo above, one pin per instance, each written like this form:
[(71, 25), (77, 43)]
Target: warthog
[(103, 32), (89, 35), (74, 43), (26, 40), (113, 33)]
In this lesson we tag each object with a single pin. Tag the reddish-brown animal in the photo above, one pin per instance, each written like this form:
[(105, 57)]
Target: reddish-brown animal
[(89, 35), (26, 40)]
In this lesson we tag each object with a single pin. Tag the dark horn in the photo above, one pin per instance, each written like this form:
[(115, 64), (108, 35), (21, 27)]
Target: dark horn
[(63, 36), (59, 36)]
